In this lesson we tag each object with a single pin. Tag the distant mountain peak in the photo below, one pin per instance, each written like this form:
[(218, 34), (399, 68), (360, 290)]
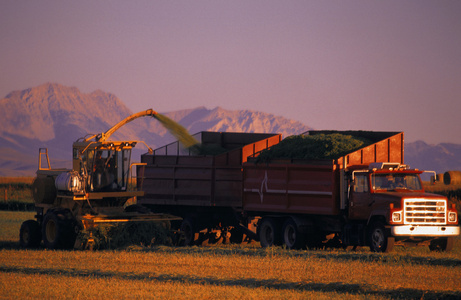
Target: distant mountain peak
[(54, 116), (49, 110)]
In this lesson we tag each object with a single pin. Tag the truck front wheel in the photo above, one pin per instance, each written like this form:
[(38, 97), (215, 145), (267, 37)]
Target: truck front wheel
[(378, 240), (269, 233), (442, 244)]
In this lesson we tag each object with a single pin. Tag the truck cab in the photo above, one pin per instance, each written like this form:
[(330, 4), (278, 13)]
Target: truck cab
[(391, 199)]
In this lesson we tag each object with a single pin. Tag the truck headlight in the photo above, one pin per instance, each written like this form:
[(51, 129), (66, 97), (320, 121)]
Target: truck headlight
[(397, 216)]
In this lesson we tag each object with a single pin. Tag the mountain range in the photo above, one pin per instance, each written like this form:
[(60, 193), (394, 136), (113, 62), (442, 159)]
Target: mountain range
[(53, 116)]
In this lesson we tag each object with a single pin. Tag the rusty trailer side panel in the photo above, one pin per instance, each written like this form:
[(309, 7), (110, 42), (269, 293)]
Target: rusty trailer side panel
[(291, 188), (189, 183), (208, 181), (313, 187)]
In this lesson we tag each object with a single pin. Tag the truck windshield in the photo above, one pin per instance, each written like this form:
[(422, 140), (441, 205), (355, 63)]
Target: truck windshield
[(392, 182)]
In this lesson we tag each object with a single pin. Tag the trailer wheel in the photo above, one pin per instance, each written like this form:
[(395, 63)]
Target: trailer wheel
[(442, 244), (378, 239), (189, 232), (292, 236), (269, 233), (57, 231), (29, 234)]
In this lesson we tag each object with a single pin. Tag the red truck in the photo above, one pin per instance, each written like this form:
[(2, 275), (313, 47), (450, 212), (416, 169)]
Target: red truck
[(368, 197)]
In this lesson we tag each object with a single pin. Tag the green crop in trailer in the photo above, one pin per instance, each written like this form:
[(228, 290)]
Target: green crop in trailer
[(318, 146)]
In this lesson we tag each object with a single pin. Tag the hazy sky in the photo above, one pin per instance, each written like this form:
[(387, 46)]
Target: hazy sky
[(367, 65)]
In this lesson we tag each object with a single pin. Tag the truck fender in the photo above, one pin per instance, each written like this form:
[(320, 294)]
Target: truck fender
[(378, 214)]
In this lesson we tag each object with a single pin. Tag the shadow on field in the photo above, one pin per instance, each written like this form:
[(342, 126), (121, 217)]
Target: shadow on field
[(336, 287), (7, 245)]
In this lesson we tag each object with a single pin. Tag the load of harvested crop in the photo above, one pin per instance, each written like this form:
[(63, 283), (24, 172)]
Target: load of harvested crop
[(317, 146)]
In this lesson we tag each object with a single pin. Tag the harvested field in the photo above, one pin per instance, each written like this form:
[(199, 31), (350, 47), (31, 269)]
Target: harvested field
[(224, 272)]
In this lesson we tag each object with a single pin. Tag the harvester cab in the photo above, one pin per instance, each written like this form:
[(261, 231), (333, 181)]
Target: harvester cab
[(104, 165)]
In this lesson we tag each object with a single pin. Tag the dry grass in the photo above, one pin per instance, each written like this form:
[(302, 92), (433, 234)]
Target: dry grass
[(440, 186), (228, 272), (16, 189), (9, 180), (222, 272), (219, 273)]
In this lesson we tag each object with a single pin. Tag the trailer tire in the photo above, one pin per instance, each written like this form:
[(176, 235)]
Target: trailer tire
[(188, 230), (442, 244), (30, 235), (58, 232), (293, 237), (378, 239), (269, 233)]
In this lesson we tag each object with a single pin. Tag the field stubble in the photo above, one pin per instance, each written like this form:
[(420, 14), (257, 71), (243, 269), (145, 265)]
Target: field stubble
[(224, 272), (233, 271), (227, 273)]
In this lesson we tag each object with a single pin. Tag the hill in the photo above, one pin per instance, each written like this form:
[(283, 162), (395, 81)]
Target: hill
[(54, 116), (440, 158)]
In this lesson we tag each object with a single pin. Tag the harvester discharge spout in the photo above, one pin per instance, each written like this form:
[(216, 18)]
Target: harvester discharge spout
[(102, 137)]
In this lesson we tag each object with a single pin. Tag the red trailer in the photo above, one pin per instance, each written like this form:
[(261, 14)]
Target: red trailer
[(341, 201), (205, 190), (314, 186)]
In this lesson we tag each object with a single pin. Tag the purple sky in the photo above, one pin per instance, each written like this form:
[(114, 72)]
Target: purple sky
[(367, 65)]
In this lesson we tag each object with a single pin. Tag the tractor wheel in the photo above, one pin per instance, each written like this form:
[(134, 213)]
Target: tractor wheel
[(30, 235), (442, 244), (378, 240), (292, 236), (58, 232), (189, 232), (269, 233)]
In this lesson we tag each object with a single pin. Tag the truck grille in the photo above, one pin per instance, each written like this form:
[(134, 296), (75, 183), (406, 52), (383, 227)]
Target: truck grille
[(424, 211)]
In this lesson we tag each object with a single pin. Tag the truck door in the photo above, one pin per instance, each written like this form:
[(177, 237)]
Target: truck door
[(359, 199)]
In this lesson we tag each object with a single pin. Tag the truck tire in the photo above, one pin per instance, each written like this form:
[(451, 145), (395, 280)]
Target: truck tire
[(442, 244), (30, 235), (58, 232), (378, 239), (188, 230), (293, 237), (269, 233)]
